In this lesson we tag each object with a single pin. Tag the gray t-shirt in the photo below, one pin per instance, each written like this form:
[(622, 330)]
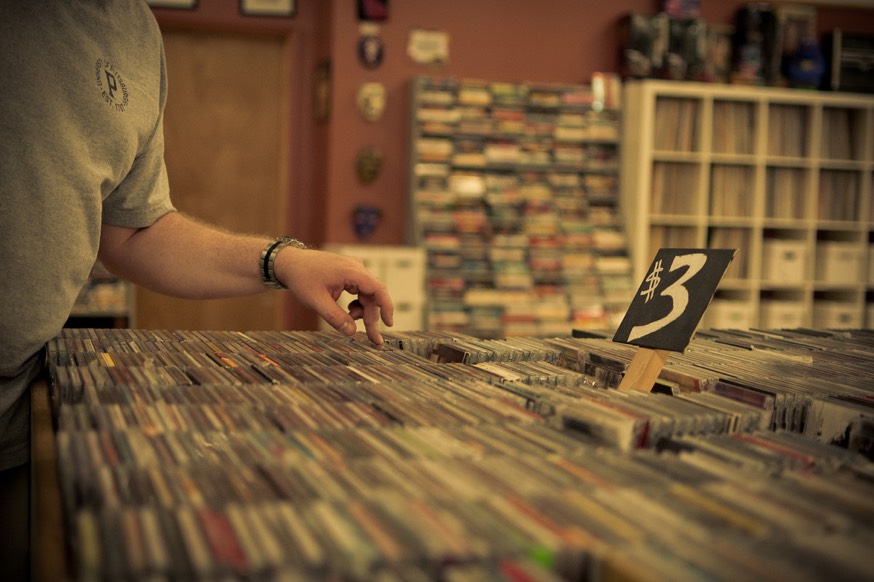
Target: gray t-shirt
[(82, 89)]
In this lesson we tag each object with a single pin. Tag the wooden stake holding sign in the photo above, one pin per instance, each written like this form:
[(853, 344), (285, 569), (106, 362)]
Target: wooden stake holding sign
[(667, 308)]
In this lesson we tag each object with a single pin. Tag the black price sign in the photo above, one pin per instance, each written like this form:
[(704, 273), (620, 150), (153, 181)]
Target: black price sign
[(672, 298)]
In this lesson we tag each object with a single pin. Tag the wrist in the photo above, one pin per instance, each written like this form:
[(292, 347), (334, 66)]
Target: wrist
[(267, 261)]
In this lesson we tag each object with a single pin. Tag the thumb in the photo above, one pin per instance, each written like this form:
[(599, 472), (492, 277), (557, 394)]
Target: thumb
[(336, 317)]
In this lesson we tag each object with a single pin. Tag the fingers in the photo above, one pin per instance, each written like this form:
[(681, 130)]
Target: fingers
[(372, 304), (364, 308), (378, 302), (338, 319), (318, 279), (345, 322), (356, 310), (370, 314)]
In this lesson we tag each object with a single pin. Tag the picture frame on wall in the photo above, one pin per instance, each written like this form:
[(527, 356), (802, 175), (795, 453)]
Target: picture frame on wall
[(322, 92), (281, 8), (373, 10), (180, 4)]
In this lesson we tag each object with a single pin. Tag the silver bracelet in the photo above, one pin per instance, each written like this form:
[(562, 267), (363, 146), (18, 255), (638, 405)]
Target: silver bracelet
[(268, 260)]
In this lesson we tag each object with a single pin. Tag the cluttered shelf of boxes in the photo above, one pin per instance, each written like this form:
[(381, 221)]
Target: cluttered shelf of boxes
[(783, 175), (514, 192), (537, 206), (440, 456), (105, 301)]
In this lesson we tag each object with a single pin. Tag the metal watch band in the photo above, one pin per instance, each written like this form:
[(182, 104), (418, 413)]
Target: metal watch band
[(268, 260)]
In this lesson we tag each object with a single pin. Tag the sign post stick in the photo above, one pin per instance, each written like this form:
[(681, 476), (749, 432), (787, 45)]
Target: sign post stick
[(644, 369)]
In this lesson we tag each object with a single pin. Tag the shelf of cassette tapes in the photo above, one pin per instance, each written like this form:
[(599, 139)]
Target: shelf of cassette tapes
[(514, 194), (440, 456)]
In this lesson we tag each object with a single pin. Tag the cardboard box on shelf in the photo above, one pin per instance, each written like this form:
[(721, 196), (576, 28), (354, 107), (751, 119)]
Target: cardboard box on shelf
[(838, 262), (784, 260), (836, 315)]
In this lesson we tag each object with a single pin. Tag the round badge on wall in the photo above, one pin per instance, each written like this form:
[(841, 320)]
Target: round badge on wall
[(371, 100), (365, 220), (370, 50), (369, 164)]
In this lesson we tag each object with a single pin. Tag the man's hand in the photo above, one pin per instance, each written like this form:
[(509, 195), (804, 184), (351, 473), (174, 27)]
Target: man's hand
[(183, 257), (317, 278)]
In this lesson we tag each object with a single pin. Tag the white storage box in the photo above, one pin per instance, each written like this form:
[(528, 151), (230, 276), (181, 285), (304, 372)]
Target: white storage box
[(403, 272), (402, 269), (838, 262), (783, 261), (728, 314), (408, 316), (836, 314), (782, 314)]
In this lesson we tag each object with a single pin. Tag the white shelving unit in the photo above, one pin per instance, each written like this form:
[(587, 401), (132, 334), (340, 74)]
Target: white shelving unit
[(783, 175), (402, 269)]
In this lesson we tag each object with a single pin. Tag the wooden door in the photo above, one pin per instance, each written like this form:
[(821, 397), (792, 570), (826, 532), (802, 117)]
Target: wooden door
[(226, 132)]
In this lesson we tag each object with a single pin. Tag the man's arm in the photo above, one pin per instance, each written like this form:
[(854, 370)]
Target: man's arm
[(180, 256)]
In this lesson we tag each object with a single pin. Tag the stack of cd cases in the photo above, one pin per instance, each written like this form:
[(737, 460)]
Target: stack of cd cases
[(193, 455)]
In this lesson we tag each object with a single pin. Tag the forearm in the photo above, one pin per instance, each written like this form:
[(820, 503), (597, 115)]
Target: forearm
[(182, 257)]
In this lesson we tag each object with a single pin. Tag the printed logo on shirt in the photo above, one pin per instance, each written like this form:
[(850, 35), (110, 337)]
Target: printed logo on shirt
[(111, 84)]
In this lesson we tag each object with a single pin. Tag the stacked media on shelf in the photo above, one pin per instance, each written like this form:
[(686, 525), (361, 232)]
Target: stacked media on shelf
[(441, 456), (514, 193)]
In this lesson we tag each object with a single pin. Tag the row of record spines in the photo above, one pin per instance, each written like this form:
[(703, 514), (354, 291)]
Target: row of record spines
[(90, 459), (420, 410), (854, 347), (350, 543), (459, 525), (145, 445), (356, 540), (329, 347), (786, 383), (603, 360), (815, 367), (130, 467), (127, 339), (148, 384), (430, 394), (533, 95), (319, 399), (649, 417)]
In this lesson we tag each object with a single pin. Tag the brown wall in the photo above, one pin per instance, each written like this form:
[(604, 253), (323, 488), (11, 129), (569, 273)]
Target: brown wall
[(559, 40), (505, 40)]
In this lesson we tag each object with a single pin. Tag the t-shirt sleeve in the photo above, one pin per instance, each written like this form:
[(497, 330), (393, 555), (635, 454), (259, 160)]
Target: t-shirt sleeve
[(143, 196)]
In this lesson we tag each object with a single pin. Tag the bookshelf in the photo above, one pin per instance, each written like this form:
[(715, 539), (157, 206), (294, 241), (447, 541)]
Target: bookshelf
[(783, 175), (105, 301), (514, 192)]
